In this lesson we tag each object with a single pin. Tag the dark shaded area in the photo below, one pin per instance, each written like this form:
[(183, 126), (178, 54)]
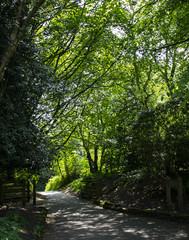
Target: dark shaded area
[(32, 216), (134, 191)]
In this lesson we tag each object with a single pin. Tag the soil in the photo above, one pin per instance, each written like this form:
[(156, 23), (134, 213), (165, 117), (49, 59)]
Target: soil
[(142, 193)]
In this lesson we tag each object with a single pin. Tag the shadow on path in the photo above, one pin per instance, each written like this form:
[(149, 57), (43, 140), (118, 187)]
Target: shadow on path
[(71, 218)]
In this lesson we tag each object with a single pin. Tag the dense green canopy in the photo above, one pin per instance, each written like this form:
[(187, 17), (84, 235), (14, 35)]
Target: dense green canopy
[(98, 85)]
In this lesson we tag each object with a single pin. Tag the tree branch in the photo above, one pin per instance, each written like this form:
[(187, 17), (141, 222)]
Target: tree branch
[(170, 45), (67, 138)]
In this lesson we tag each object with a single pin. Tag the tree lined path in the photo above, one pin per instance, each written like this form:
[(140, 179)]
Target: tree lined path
[(71, 218), (93, 90)]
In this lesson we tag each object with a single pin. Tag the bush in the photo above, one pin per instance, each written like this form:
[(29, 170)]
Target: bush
[(77, 185), (54, 183)]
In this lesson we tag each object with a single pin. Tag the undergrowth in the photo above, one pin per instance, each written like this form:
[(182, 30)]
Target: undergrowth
[(40, 225), (11, 225), (54, 183), (77, 185)]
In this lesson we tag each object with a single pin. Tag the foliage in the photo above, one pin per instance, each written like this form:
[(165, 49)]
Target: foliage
[(11, 225), (76, 185), (23, 145), (66, 169), (54, 183), (158, 140), (40, 224), (44, 176), (86, 180), (99, 86), (181, 93)]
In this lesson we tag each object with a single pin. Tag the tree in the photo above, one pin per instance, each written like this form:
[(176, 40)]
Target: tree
[(152, 63), (81, 59), (98, 74), (19, 19), (77, 57), (146, 75), (23, 145)]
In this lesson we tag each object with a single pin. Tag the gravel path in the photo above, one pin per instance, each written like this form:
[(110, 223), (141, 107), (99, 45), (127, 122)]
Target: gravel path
[(71, 218)]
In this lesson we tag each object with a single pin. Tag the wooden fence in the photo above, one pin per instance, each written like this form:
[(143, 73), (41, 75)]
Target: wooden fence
[(16, 191)]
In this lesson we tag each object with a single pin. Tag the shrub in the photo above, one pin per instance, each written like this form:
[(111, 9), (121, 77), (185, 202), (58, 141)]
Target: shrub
[(54, 183)]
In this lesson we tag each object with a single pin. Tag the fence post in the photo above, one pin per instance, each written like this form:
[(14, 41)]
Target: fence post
[(28, 191), (34, 192), (23, 192), (1, 190)]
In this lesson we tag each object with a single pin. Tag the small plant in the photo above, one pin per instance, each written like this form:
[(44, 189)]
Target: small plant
[(38, 229), (11, 225)]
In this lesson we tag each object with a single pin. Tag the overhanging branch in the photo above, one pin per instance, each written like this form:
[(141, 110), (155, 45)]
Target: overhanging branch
[(171, 45), (62, 145)]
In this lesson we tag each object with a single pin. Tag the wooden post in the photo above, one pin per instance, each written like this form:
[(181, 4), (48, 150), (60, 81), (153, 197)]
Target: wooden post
[(28, 191), (168, 193), (1, 190), (34, 192), (180, 194), (176, 184), (23, 192)]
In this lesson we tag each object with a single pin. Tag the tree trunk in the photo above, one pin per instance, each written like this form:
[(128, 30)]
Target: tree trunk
[(96, 158), (66, 167), (92, 165), (102, 158)]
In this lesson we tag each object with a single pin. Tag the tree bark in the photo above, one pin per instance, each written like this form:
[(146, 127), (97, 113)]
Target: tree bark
[(93, 166), (96, 158), (92, 163), (66, 166)]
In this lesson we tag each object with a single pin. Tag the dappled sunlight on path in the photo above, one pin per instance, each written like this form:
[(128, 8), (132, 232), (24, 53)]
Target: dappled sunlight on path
[(70, 218)]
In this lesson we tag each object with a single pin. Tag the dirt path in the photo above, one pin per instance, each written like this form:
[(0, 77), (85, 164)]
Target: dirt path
[(70, 218)]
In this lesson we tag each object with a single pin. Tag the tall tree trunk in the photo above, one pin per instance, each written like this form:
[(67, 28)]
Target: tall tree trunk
[(92, 163), (93, 166), (96, 158), (66, 166)]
